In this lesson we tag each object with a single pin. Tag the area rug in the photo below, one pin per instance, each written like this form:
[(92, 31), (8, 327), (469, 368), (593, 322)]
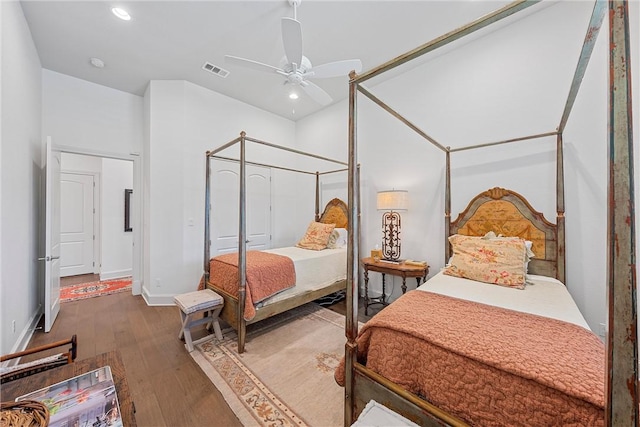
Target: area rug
[(94, 289), (285, 375)]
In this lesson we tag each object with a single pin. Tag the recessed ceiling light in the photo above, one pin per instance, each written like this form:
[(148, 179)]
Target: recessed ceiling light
[(121, 13), (293, 95), (97, 62)]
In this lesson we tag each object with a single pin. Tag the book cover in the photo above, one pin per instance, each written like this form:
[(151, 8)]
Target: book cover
[(89, 399)]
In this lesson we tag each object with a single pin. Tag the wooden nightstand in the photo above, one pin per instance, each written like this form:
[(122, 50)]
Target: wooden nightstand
[(402, 270)]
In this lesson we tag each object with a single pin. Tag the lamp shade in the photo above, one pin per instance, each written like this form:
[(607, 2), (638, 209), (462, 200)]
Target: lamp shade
[(393, 200)]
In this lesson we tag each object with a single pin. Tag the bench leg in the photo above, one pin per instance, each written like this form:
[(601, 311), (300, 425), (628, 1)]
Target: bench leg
[(183, 318), (211, 320), (186, 330), (216, 323)]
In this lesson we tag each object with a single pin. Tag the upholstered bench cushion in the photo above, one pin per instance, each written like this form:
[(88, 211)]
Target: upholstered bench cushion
[(198, 300)]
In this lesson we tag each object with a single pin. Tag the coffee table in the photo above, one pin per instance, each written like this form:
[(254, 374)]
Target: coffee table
[(34, 382)]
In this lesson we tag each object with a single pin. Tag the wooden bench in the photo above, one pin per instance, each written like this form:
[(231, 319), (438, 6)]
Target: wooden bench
[(192, 305), (14, 372)]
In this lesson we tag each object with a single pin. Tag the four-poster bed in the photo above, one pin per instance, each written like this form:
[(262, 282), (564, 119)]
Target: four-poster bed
[(619, 394), (316, 273), (480, 362)]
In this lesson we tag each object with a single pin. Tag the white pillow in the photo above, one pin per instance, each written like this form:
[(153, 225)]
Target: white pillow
[(341, 240)]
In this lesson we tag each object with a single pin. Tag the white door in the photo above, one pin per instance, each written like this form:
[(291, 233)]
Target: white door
[(225, 184), (76, 224), (52, 237)]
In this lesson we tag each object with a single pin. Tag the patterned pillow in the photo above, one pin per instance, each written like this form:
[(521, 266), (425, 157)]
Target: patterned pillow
[(497, 261), (528, 244), (317, 236)]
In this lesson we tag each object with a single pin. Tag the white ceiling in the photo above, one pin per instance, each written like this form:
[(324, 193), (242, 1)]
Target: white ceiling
[(169, 40)]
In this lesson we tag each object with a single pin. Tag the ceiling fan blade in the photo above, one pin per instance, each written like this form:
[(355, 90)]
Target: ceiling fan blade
[(316, 93), (254, 65), (336, 69), (292, 40)]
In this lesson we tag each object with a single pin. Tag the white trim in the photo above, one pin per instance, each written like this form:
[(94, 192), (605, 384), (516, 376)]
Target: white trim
[(119, 274), (138, 256), (25, 336), (97, 223), (159, 300)]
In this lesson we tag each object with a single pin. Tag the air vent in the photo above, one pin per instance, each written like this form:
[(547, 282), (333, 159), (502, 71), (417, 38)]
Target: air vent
[(214, 69)]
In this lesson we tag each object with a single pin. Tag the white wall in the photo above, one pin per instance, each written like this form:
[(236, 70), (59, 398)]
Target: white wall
[(186, 120), (20, 173), (477, 94), (116, 244), (88, 118)]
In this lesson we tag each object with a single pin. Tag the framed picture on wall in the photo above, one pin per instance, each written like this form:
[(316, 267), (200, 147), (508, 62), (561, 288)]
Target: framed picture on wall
[(127, 209)]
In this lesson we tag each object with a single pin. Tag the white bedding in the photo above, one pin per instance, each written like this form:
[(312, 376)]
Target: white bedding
[(544, 296), (314, 270)]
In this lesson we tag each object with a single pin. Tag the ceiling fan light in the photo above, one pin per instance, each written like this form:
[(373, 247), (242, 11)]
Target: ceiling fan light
[(293, 95), (121, 13)]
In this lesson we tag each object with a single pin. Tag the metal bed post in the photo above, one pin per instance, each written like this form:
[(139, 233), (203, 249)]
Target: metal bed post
[(447, 205), (561, 256), (317, 196), (595, 22), (352, 259), (242, 247), (622, 342), (207, 226)]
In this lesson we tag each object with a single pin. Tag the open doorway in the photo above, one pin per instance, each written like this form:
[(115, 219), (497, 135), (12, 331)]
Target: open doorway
[(95, 243)]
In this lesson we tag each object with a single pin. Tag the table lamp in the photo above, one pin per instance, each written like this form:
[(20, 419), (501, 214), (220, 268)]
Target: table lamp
[(392, 201)]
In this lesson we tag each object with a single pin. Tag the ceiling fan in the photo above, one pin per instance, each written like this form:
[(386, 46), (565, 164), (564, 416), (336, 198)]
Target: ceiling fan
[(295, 67)]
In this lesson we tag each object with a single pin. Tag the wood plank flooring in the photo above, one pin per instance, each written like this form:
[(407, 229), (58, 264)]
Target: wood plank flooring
[(79, 279), (168, 388)]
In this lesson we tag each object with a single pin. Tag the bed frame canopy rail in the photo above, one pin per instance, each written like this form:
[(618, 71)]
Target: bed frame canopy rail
[(236, 316), (622, 406)]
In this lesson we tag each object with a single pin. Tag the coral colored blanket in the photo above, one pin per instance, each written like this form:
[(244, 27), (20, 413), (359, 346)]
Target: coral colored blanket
[(487, 365), (267, 274)]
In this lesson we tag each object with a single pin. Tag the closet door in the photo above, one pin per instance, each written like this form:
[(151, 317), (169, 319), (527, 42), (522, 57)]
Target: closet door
[(225, 185), (77, 216)]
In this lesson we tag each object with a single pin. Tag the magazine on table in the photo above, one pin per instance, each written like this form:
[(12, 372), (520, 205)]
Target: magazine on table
[(88, 400)]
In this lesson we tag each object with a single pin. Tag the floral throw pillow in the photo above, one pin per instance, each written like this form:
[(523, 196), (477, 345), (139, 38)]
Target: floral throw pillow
[(497, 261), (317, 236)]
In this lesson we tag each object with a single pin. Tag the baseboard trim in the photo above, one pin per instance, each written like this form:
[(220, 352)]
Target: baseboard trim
[(160, 300), (111, 275), (25, 336)]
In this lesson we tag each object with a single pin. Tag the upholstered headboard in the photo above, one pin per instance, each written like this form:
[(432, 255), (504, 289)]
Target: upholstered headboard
[(335, 212), (508, 213)]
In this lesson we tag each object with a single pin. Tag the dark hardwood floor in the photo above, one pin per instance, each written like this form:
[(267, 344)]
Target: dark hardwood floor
[(168, 388), (78, 280)]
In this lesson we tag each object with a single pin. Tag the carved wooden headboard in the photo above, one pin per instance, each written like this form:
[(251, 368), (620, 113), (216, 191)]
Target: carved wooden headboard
[(508, 213), (336, 212)]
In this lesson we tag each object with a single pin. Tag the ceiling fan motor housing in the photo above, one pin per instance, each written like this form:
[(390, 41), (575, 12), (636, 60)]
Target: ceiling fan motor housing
[(295, 74)]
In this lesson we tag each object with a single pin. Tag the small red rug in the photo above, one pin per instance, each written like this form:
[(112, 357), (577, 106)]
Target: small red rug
[(94, 289)]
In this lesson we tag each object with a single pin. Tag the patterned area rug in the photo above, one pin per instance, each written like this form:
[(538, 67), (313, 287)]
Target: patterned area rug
[(285, 376), (94, 289)]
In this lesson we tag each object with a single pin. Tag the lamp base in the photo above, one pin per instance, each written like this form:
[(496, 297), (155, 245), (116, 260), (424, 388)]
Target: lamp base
[(391, 236)]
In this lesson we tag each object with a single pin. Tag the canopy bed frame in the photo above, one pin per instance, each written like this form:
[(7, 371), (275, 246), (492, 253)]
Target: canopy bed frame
[(234, 305), (621, 390)]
